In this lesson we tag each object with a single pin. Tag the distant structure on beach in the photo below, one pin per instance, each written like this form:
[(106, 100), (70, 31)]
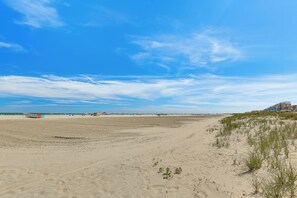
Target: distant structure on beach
[(161, 114), (282, 106), (98, 113), (34, 115)]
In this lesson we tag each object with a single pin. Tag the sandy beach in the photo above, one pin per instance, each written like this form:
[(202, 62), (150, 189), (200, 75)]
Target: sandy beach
[(116, 157), (148, 99)]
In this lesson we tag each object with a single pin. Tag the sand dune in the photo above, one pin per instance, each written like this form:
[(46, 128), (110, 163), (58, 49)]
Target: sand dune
[(116, 157)]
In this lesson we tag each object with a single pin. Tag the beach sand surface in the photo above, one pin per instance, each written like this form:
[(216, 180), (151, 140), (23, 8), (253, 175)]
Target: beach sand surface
[(116, 156)]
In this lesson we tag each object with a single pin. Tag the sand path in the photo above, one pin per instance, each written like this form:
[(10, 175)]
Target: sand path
[(124, 164)]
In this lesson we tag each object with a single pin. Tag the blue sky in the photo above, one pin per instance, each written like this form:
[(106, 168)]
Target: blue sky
[(181, 56)]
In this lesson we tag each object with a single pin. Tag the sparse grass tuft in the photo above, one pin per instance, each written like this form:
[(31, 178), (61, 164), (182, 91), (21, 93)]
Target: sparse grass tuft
[(221, 142), (282, 183), (254, 161)]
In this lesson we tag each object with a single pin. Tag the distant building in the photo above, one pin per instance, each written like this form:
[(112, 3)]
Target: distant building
[(282, 106)]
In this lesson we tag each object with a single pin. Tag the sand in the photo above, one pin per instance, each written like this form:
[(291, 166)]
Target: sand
[(116, 156)]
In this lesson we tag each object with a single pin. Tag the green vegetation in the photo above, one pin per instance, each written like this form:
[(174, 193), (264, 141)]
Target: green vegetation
[(254, 161), (212, 129), (222, 142), (178, 171), (156, 162), (281, 184), (242, 116), (271, 136), (167, 173)]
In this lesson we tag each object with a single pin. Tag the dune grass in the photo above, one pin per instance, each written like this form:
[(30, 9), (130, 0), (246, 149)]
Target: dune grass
[(254, 161), (271, 136)]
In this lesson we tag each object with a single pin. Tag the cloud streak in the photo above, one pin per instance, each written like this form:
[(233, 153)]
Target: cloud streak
[(12, 46), (197, 50), (36, 13), (82, 89), (205, 93)]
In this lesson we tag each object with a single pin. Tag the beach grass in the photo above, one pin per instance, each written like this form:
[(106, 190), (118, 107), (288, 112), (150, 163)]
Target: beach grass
[(271, 137)]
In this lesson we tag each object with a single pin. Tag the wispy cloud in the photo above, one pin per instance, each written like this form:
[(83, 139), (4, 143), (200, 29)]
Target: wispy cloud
[(200, 49), (206, 93), (101, 16), (12, 46), (36, 13), (81, 88)]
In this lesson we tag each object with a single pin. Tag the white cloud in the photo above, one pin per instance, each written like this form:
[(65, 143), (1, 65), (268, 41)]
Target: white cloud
[(37, 13), (12, 46), (206, 93), (200, 49), (78, 88)]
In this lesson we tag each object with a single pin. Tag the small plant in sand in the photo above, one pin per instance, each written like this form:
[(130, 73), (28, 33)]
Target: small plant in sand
[(156, 162), (161, 169), (178, 170), (167, 174), (254, 161)]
